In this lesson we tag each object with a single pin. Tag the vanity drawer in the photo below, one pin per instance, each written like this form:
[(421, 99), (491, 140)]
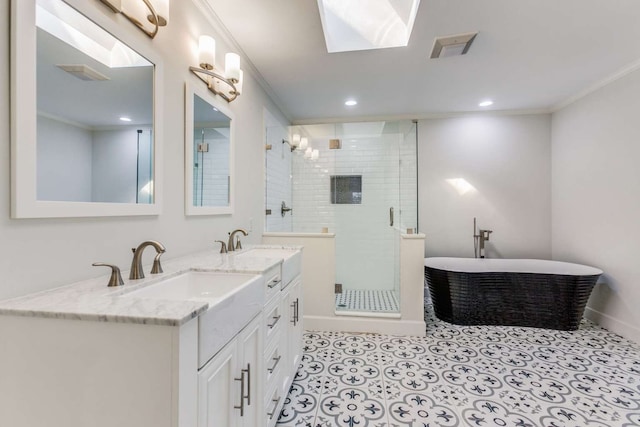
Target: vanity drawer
[(273, 402), (272, 321), (273, 283), (274, 362)]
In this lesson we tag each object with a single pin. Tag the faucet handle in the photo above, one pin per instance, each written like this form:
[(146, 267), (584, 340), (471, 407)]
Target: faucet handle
[(223, 246), (157, 268), (116, 277)]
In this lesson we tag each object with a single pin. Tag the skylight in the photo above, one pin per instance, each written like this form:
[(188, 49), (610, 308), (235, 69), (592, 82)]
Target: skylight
[(365, 24)]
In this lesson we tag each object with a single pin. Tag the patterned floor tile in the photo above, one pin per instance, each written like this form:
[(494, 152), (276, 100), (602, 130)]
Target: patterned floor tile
[(481, 376)]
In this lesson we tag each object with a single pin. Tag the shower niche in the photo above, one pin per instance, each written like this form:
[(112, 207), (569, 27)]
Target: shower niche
[(362, 186)]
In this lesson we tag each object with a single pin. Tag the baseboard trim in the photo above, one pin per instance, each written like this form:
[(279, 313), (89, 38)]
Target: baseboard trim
[(376, 325), (614, 325)]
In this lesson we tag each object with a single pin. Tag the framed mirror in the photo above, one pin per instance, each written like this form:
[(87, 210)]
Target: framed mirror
[(208, 153), (85, 115)]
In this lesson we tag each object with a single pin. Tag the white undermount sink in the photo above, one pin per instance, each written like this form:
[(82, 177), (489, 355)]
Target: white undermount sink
[(233, 298), (194, 286), (291, 260)]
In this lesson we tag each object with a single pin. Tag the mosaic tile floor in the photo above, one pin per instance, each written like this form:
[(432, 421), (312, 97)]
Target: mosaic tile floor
[(365, 300), (467, 376)]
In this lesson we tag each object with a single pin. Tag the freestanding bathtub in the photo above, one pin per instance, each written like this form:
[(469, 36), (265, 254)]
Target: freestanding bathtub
[(516, 292)]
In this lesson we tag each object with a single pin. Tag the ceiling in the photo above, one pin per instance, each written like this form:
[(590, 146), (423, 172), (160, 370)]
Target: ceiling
[(128, 92), (529, 55)]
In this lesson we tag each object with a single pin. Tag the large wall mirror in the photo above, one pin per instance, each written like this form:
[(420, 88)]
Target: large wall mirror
[(85, 118), (209, 132)]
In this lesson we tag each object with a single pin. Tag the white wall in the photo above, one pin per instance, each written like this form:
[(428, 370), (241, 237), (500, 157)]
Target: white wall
[(44, 253), (596, 207), (507, 159), (114, 164), (64, 161)]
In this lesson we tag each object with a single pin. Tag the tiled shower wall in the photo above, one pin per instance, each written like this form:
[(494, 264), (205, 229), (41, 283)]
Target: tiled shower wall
[(211, 175)]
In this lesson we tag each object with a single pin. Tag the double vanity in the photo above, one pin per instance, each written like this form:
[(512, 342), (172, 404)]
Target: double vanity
[(214, 340)]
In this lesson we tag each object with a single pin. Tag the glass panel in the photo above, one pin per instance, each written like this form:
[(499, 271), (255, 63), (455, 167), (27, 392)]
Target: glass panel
[(361, 189), (278, 180)]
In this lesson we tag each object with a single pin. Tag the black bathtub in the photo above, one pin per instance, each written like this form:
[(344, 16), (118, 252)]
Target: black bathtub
[(515, 292)]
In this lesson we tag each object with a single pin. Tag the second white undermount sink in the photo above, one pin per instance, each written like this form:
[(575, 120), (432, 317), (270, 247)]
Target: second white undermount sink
[(291, 260)]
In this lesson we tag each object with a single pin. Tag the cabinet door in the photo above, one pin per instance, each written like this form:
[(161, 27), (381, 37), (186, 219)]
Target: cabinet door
[(218, 391), (250, 343), (296, 327)]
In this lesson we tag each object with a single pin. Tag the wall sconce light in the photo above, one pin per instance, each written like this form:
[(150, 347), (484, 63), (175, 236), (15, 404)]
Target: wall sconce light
[(141, 11), (227, 85)]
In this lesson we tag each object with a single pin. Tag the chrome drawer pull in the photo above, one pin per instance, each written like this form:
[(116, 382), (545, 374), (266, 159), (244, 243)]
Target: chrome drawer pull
[(275, 320), (273, 368), (272, 413), (274, 283)]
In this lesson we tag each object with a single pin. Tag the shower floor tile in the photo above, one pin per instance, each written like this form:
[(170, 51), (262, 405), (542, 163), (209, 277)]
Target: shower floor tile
[(367, 300), (467, 376)]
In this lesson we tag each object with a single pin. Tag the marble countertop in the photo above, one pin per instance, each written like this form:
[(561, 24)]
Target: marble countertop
[(92, 300)]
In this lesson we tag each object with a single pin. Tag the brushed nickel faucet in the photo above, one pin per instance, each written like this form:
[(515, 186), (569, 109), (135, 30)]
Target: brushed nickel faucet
[(223, 247), (116, 277), (136, 264), (230, 244)]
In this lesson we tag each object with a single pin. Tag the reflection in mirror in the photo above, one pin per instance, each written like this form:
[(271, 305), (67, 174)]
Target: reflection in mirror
[(208, 155), (94, 112)]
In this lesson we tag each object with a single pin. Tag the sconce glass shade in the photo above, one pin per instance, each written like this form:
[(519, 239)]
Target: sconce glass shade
[(308, 153), (295, 140), (207, 52), (304, 143), (315, 154), (232, 66)]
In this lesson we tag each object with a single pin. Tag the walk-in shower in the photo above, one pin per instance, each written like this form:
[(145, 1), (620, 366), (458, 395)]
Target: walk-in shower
[(360, 184)]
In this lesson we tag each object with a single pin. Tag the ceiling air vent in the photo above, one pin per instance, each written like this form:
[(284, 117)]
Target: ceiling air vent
[(458, 44), (83, 72)]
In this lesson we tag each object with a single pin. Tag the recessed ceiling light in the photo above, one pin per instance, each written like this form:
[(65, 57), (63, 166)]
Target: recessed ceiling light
[(125, 119), (215, 109), (485, 103), (351, 102)]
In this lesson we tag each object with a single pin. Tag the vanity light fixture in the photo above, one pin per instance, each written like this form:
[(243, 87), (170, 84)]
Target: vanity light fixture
[(227, 85), (141, 11)]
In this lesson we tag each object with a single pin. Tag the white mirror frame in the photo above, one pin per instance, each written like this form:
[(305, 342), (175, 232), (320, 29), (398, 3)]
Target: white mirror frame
[(202, 91), (24, 203)]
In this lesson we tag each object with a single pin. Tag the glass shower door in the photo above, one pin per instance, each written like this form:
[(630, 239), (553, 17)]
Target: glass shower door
[(365, 197)]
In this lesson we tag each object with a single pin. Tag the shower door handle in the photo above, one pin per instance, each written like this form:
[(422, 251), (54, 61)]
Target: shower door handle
[(391, 216)]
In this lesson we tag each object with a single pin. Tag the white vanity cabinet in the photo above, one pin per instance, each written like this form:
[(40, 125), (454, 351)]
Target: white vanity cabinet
[(229, 385), (85, 355)]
